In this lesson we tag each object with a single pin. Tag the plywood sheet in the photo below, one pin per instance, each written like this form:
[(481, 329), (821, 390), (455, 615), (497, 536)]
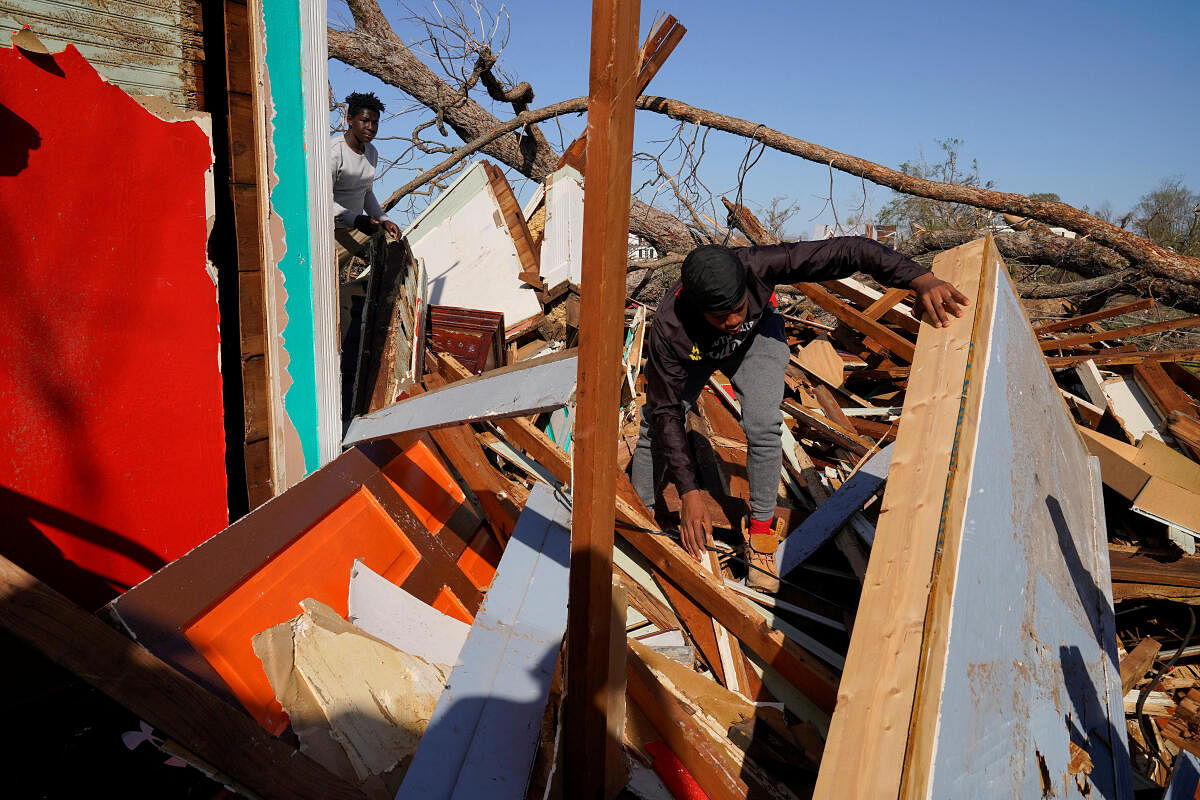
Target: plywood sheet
[(562, 245), (484, 731)]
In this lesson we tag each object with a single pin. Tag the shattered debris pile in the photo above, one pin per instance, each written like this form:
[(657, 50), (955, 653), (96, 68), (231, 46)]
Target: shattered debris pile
[(983, 573), (935, 489)]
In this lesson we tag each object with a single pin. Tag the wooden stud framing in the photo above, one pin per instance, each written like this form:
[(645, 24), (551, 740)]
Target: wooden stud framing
[(856, 319), (591, 736)]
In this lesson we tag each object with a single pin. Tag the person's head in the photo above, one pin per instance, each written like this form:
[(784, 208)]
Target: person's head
[(362, 115), (714, 283)]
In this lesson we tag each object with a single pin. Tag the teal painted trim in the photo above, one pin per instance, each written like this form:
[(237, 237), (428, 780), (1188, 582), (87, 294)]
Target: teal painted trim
[(289, 201)]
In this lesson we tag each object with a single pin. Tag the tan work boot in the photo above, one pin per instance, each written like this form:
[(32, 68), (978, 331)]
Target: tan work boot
[(760, 553)]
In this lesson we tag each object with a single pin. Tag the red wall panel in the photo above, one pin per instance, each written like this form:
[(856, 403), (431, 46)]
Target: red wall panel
[(111, 439)]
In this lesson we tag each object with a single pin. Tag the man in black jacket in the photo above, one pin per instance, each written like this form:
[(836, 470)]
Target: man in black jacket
[(721, 316)]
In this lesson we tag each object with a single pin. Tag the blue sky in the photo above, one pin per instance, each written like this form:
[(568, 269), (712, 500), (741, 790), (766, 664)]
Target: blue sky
[(1096, 101)]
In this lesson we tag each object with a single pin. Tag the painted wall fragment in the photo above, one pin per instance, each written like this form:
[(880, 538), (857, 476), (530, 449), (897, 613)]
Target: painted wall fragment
[(109, 347)]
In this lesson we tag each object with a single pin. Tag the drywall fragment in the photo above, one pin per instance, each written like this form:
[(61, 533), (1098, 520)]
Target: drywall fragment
[(376, 700)]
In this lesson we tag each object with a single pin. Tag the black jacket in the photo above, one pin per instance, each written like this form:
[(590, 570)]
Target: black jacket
[(684, 345)]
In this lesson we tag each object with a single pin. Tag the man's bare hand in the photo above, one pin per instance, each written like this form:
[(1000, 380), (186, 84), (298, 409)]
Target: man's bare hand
[(938, 299), (392, 229), (695, 523)]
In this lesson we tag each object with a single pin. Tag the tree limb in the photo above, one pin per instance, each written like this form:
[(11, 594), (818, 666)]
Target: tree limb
[(1158, 260), (373, 47)]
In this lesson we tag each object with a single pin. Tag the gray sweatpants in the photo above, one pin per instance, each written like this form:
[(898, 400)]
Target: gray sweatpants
[(757, 376)]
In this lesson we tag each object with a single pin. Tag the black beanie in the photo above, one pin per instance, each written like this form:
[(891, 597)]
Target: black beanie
[(714, 280)]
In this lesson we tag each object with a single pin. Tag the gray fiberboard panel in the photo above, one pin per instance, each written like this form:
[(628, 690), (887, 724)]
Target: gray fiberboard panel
[(1031, 663)]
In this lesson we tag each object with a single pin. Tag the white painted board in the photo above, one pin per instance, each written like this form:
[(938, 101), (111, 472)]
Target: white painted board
[(469, 256), (386, 611), (1031, 662), (528, 387)]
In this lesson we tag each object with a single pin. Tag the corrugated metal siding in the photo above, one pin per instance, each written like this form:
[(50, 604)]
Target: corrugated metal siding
[(144, 46)]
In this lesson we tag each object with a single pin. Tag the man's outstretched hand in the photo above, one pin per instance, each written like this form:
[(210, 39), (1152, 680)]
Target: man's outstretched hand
[(695, 523), (938, 299)]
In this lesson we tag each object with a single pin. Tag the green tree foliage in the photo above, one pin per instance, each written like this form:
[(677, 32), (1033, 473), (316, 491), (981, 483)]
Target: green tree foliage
[(910, 213), (1169, 215)]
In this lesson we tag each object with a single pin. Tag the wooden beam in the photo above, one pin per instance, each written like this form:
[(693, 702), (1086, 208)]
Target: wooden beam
[(1136, 664), (1134, 567), (1095, 316), (215, 731), (1120, 333), (653, 54), (591, 736), (460, 447), (859, 321), (878, 688), (1138, 357), (1169, 398)]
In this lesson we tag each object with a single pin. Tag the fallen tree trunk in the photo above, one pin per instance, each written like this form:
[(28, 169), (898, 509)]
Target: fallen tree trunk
[(1146, 254), (373, 47)]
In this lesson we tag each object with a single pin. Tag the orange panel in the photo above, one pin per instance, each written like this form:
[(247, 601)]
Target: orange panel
[(425, 485), (315, 564), (448, 603), (478, 562)]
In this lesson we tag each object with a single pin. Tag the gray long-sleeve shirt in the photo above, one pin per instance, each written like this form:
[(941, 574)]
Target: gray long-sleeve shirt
[(683, 343), (353, 177)]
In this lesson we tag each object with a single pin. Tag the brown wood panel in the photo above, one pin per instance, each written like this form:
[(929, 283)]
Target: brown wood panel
[(253, 318), (256, 399)]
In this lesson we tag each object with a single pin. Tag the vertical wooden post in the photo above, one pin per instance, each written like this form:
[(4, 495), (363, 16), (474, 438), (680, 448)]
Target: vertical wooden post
[(594, 684)]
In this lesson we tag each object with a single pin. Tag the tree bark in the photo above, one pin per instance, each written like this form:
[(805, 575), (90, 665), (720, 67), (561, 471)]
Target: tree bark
[(1102, 268), (373, 47)]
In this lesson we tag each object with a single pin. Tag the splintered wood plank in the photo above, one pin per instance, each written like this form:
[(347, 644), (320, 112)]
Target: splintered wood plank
[(1120, 333), (878, 686), (1137, 663), (510, 211), (1095, 316), (209, 727), (859, 321), (594, 695)]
